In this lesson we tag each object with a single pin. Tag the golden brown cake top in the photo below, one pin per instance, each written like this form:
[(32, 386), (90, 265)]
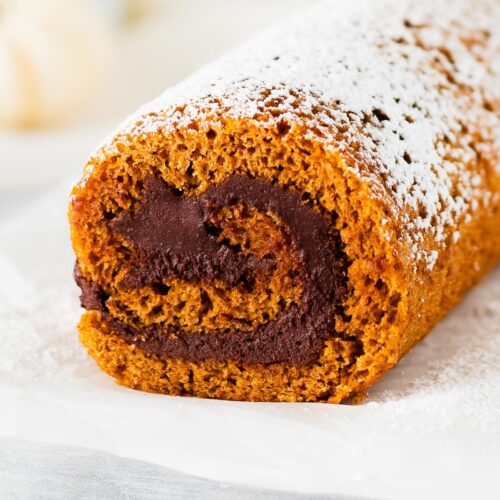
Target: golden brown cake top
[(406, 91)]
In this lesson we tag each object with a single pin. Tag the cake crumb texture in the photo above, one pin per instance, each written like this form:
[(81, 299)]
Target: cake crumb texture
[(383, 118)]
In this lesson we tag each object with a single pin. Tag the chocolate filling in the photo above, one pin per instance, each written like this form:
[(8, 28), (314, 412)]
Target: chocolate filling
[(171, 236)]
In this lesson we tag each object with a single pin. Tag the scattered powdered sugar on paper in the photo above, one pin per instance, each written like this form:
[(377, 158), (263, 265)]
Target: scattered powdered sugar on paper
[(453, 376), (39, 340), (37, 323), (399, 85)]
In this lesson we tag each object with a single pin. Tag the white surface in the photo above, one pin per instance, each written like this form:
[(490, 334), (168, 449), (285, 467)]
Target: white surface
[(430, 429), (30, 470)]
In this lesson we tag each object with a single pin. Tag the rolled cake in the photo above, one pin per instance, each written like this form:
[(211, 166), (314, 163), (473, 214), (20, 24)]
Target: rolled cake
[(287, 223)]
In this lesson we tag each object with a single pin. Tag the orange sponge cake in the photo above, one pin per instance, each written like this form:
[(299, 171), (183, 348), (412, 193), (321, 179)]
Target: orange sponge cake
[(287, 223)]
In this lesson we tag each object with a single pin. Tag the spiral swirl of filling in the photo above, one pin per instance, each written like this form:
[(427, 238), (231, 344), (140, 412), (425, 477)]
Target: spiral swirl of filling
[(241, 236)]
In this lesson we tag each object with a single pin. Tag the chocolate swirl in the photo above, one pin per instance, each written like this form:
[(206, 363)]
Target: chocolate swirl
[(171, 236)]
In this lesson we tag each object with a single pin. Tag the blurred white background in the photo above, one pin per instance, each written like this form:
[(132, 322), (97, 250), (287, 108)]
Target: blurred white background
[(70, 70)]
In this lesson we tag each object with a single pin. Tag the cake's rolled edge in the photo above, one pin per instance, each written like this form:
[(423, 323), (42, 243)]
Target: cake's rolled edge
[(375, 254), (411, 170), (87, 212), (135, 368)]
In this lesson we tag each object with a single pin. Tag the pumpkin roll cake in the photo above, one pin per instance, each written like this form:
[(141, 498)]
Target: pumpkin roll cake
[(292, 219)]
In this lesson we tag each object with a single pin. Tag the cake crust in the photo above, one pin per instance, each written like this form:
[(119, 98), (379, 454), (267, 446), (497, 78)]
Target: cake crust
[(398, 153)]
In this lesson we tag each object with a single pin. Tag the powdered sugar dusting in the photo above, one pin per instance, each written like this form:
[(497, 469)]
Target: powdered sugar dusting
[(400, 87), (454, 373), (38, 335)]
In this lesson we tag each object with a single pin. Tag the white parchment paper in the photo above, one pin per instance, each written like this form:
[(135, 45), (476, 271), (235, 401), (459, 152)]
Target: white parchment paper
[(430, 429)]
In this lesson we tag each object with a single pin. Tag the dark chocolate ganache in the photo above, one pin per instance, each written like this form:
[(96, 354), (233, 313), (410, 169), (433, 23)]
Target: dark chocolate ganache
[(170, 236)]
